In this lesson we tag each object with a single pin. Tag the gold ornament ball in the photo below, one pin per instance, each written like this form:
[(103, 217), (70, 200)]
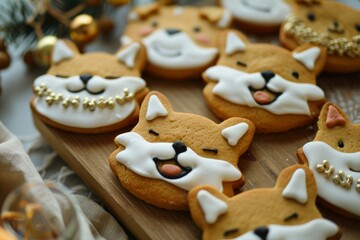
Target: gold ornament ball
[(83, 29), (29, 58), (106, 25), (43, 50), (5, 59), (117, 3)]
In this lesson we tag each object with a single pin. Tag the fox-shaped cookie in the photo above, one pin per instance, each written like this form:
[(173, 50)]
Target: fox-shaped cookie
[(334, 158), (168, 153), (92, 92), (273, 87), (286, 212)]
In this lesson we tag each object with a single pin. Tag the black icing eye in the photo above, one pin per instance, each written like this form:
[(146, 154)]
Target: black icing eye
[(152, 131), (357, 27), (155, 24), (311, 16), (291, 216), (112, 77), (240, 63), (230, 232), (196, 29), (61, 76), (214, 150), (295, 74), (340, 144)]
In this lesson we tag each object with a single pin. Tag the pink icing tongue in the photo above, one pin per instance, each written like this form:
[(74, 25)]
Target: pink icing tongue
[(261, 97), (170, 169)]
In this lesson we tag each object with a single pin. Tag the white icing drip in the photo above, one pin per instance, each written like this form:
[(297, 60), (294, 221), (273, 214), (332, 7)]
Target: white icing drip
[(347, 199), (308, 57), (78, 117), (296, 188), (176, 51), (234, 133), (155, 109), (211, 206), (234, 86), (128, 55), (234, 44), (317, 229), (225, 19), (266, 12), (138, 156), (61, 51)]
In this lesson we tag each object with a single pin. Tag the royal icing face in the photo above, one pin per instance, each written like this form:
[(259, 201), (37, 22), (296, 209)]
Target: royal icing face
[(76, 93), (266, 12), (177, 37), (170, 151), (286, 212)]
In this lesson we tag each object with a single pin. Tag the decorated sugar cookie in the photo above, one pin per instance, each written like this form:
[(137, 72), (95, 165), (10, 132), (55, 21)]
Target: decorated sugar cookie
[(258, 16), (273, 87), (181, 42), (334, 158), (330, 24), (168, 153), (286, 212), (92, 92)]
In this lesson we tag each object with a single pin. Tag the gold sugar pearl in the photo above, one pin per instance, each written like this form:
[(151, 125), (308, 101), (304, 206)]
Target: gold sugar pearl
[(358, 186), (92, 106)]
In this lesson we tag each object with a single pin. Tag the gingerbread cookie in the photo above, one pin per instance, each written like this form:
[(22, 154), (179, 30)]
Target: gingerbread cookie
[(329, 24), (274, 88), (181, 42), (334, 158), (286, 212), (168, 153), (260, 16), (93, 92)]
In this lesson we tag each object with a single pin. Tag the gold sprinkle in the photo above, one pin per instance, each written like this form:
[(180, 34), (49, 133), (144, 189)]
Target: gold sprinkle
[(92, 106), (358, 186)]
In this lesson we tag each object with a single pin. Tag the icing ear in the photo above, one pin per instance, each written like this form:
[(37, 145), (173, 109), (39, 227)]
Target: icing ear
[(234, 44), (206, 205), (311, 57), (155, 105), (331, 116), (128, 54), (296, 187), (216, 15), (234, 133), (144, 11), (61, 52)]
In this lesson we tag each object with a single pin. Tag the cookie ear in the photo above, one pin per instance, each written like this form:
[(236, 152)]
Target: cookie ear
[(143, 12), (63, 51), (331, 116), (232, 42), (206, 205), (311, 57), (132, 55), (216, 15), (155, 105), (297, 183)]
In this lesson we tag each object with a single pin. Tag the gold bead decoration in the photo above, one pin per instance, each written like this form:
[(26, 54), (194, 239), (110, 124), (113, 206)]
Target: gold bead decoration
[(358, 185), (343, 180), (83, 29), (43, 50), (325, 168)]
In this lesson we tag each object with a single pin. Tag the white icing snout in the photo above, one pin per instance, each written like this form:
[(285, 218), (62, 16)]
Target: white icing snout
[(176, 50), (139, 155)]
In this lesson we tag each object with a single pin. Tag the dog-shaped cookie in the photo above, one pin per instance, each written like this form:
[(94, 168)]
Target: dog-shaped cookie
[(286, 212), (274, 88), (93, 92), (168, 153), (334, 158), (330, 24), (181, 41)]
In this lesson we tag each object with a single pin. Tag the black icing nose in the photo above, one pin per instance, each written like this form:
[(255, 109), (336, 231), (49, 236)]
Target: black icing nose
[(179, 147), (172, 31), (267, 75), (85, 78), (262, 232)]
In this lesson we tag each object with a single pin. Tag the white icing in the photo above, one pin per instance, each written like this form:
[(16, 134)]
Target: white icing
[(155, 109), (125, 40), (211, 206), (78, 117), (266, 12), (234, 133), (308, 57), (296, 188), (132, 16), (178, 11), (61, 51), (176, 51), (233, 85), (204, 170), (347, 199), (225, 19), (317, 229), (234, 44), (128, 54)]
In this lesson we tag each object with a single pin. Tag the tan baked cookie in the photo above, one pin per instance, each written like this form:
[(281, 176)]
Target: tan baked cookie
[(92, 92), (181, 42), (330, 24), (168, 153), (274, 88), (260, 16), (334, 158), (286, 212)]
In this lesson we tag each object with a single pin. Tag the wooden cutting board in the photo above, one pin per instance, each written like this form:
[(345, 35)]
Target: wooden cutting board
[(88, 155)]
